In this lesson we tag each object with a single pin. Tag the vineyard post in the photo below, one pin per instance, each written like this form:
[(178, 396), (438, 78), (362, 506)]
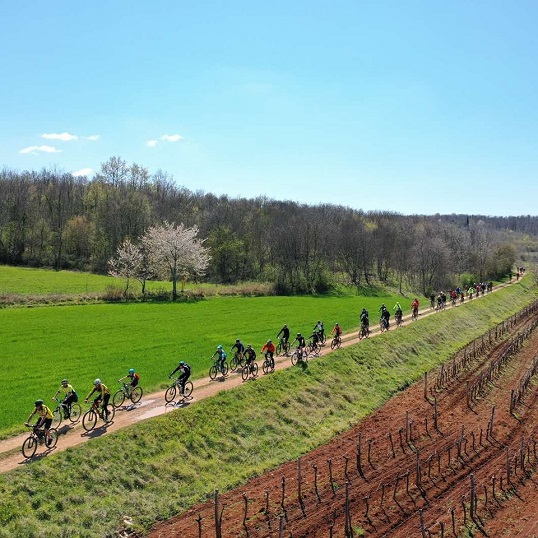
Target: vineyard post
[(392, 446), (246, 513), (199, 521), (359, 457), (299, 479), (316, 482), (329, 461), (507, 466), (218, 517)]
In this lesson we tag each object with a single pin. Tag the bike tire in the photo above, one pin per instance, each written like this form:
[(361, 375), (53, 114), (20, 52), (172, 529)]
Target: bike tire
[(58, 416), (136, 394), (118, 398), (234, 363), (294, 358), (245, 372), (76, 411), (225, 369), (255, 369), (89, 420), (170, 393), (333, 343), (29, 447), (266, 367), (53, 438), (279, 348), (189, 387), (213, 372)]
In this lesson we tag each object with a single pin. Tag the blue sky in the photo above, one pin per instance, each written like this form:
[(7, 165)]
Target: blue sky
[(406, 106)]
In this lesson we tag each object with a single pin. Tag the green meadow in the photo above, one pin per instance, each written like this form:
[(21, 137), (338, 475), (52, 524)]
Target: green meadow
[(161, 467), (43, 344)]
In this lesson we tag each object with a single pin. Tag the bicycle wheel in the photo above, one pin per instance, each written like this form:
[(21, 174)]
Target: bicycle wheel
[(266, 366), (294, 358), (53, 438), (29, 447), (333, 343), (245, 372), (136, 394), (213, 371), (188, 389), (118, 398), (58, 416), (170, 393), (225, 369), (234, 363), (279, 348), (254, 369), (108, 417), (89, 420), (76, 411)]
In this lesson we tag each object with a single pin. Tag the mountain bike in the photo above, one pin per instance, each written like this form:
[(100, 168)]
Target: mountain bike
[(336, 342), (176, 387), (89, 420), (127, 392), (268, 364), (414, 315), (237, 361), (384, 324), (283, 347), (217, 369), (364, 331), (314, 349), (71, 412), (37, 437), (399, 320), (249, 370), (299, 355)]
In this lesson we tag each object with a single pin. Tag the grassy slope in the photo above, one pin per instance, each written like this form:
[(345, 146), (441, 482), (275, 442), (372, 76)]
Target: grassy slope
[(42, 345), (178, 459)]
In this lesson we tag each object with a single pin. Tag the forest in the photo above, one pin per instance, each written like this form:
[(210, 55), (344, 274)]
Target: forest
[(53, 219)]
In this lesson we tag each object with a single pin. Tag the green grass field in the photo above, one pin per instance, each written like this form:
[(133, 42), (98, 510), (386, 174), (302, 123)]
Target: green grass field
[(43, 344), (162, 466)]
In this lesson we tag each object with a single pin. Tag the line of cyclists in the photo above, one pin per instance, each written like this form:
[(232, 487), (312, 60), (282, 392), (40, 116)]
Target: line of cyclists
[(244, 357)]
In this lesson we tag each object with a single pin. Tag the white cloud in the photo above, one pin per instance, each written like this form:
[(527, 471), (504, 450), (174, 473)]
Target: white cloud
[(151, 143), (171, 138), (93, 138), (64, 137), (34, 150), (83, 172)]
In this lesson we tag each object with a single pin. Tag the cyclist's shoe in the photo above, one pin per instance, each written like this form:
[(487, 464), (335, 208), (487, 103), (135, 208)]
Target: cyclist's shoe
[(48, 442)]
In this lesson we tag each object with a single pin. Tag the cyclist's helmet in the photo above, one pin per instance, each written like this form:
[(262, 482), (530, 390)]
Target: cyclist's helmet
[(97, 382), (131, 370), (219, 347), (269, 341), (285, 326), (237, 341), (249, 346), (38, 403), (299, 335), (64, 381), (182, 363)]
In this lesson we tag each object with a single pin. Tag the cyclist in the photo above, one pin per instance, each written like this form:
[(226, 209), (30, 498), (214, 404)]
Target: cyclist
[(221, 357), (397, 311), (103, 395), (185, 374), (337, 331), (385, 315), (414, 306), (301, 344), (239, 346), (269, 349), (250, 355), (320, 330), (432, 299), (69, 396), (285, 332), (365, 320), (45, 418), (134, 379)]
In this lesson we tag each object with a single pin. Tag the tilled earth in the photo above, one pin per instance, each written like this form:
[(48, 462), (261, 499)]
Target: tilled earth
[(452, 453)]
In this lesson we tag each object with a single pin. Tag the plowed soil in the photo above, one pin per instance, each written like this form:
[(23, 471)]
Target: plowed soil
[(438, 459)]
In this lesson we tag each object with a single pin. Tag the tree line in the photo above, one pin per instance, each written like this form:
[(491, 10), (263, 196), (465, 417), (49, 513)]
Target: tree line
[(53, 219)]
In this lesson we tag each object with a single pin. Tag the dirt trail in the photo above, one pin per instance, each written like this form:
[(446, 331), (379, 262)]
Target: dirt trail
[(154, 404)]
